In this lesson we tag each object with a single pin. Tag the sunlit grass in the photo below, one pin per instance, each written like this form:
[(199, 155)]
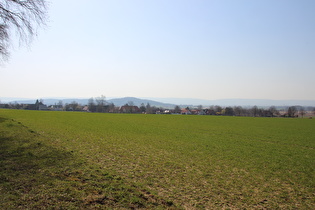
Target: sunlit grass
[(178, 161)]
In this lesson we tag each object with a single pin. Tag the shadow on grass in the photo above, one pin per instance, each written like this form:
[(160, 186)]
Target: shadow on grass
[(28, 168), (34, 175)]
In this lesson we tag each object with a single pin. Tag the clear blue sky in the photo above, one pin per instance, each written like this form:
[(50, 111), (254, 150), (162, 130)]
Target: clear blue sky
[(207, 49)]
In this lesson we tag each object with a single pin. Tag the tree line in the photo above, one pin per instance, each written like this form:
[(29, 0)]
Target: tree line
[(255, 111), (100, 105)]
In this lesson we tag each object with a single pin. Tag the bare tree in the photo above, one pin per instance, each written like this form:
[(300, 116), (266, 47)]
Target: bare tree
[(292, 111), (21, 16), (142, 108), (111, 107), (149, 109), (60, 104), (218, 109), (177, 109), (255, 111), (74, 105), (130, 103), (238, 110), (302, 111), (229, 111), (91, 105), (273, 111)]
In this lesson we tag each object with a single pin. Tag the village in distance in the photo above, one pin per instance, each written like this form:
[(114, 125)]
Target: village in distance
[(145, 106)]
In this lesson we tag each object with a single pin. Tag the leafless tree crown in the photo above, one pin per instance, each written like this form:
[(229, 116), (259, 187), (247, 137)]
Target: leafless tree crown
[(21, 16)]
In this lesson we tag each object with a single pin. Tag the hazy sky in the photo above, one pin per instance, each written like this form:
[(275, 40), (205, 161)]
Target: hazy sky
[(207, 49)]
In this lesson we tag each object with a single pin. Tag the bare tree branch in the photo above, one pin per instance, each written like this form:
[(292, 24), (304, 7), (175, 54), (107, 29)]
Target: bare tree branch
[(21, 16)]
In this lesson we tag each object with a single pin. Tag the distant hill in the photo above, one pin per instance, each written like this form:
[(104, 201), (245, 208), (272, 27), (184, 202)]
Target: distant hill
[(115, 101), (138, 102), (171, 102), (235, 102)]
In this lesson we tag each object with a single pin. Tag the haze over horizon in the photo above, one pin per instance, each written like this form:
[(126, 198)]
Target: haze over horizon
[(168, 102), (168, 49)]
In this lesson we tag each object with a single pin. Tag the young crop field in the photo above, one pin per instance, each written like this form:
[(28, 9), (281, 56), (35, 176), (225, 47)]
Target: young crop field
[(75, 160)]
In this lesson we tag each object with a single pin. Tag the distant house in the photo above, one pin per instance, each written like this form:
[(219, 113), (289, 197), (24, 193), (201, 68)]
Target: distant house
[(85, 109), (167, 111), (185, 111), (202, 112), (42, 107), (4, 106), (114, 109), (29, 106), (195, 111), (129, 109), (55, 108)]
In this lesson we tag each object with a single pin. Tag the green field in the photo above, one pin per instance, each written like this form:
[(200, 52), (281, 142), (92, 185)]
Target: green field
[(87, 160)]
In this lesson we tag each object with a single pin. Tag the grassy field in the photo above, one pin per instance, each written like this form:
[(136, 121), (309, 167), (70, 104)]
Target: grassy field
[(87, 160)]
